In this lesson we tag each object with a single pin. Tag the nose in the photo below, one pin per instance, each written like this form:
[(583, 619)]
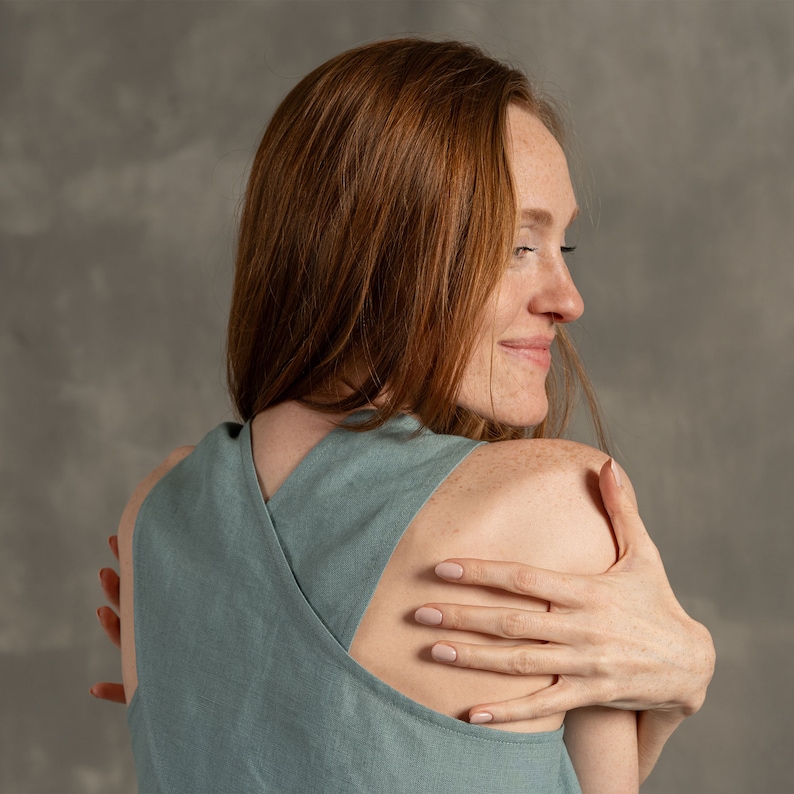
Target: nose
[(558, 295)]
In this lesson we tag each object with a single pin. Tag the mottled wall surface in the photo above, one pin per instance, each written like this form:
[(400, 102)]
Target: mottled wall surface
[(126, 129)]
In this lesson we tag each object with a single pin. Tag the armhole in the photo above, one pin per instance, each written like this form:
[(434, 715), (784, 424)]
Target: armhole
[(126, 538)]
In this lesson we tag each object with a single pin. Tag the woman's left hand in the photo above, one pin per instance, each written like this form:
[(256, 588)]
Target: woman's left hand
[(109, 620), (618, 639)]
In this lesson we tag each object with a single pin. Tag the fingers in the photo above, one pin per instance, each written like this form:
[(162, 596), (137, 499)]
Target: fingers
[(561, 589), (616, 490), (525, 659), (109, 580), (521, 624), (565, 695), (105, 690), (111, 624), (620, 503)]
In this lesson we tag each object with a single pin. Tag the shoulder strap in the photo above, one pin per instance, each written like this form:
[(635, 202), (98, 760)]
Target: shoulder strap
[(342, 512)]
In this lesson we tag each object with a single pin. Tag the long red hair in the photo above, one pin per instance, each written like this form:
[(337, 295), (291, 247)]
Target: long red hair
[(378, 219)]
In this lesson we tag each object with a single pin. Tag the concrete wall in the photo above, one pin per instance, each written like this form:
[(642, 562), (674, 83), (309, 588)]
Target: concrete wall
[(125, 132)]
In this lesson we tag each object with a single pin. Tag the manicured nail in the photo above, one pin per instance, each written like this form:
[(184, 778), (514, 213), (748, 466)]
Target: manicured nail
[(428, 616), (449, 570), (616, 472), (480, 717), (443, 653)]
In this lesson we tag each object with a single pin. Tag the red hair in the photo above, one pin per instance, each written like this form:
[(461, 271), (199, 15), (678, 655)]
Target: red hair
[(377, 222)]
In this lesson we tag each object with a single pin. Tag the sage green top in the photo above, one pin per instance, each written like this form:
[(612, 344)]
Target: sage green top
[(244, 614)]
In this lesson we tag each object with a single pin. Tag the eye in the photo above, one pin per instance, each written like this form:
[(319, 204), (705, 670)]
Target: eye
[(522, 250), (568, 249)]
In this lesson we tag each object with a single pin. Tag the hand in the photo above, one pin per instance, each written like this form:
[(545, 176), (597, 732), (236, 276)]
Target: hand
[(109, 620), (619, 639)]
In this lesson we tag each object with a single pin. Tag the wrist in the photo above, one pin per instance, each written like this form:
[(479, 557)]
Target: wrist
[(694, 669), (665, 718), (702, 672), (654, 728)]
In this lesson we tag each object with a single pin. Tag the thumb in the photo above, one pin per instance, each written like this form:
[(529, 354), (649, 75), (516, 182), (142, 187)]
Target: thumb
[(620, 503)]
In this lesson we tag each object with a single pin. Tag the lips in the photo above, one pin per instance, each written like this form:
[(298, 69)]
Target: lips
[(534, 349)]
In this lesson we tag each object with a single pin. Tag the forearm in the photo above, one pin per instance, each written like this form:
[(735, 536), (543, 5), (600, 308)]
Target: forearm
[(603, 753), (654, 728), (602, 744)]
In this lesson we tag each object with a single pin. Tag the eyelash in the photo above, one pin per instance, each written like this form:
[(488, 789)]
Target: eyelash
[(566, 249)]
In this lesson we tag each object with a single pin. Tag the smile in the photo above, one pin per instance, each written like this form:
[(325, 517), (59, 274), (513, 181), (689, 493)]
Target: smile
[(535, 350)]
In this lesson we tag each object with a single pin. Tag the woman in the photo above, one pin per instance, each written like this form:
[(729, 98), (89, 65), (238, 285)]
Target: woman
[(400, 282)]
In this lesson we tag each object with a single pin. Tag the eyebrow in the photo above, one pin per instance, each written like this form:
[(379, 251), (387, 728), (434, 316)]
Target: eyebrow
[(543, 218)]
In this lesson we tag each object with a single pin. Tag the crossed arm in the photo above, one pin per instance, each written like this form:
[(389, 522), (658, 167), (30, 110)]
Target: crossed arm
[(618, 639)]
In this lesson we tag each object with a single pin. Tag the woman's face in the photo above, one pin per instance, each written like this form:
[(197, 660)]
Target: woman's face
[(506, 376)]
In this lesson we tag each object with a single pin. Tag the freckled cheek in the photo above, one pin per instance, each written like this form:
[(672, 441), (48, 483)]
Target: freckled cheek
[(514, 299), (498, 317), (505, 317)]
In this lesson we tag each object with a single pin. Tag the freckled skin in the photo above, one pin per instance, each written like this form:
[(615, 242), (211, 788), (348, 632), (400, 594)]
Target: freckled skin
[(527, 500), (536, 291), (532, 501)]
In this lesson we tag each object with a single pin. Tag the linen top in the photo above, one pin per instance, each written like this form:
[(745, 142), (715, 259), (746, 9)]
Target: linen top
[(244, 614)]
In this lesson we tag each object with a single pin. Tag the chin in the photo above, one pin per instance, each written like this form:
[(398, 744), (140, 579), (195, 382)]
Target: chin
[(522, 415)]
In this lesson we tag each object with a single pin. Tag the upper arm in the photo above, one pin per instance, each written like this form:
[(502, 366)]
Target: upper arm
[(125, 535), (550, 511), (602, 743), (533, 502)]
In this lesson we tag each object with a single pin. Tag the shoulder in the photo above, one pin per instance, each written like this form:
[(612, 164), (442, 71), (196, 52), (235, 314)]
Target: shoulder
[(541, 458), (138, 497), (531, 502), (125, 534), (540, 496)]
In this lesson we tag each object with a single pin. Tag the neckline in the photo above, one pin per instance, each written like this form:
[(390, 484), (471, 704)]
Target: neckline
[(358, 417)]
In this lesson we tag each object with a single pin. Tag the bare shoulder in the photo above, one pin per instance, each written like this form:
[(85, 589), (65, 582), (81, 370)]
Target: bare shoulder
[(534, 502), (541, 458), (540, 498), (125, 534)]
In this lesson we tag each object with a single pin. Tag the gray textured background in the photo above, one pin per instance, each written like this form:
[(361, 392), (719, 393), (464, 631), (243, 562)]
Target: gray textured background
[(125, 132)]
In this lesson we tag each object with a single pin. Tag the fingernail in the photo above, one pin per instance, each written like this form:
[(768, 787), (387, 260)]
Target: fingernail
[(449, 570), (428, 616), (443, 653), (480, 717), (99, 617), (616, 472), (92, 692)]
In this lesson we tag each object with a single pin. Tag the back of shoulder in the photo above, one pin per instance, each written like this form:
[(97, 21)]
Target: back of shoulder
[(541, 497), (542, 460), (128, 518)]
